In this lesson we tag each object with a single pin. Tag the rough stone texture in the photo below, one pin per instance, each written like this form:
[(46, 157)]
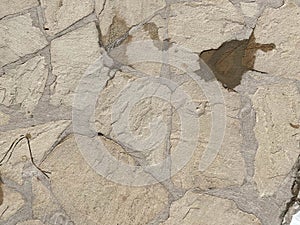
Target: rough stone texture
[(91, 199), (250, 46), (71, 55), (281, 27), (60, 14), (8, 7), (195, 208), (24, 85), (13, 45), (119, 15), (192, 24), (278, 144)]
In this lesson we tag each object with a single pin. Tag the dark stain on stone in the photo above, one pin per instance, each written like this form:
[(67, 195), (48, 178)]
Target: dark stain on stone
[(115, 31), (152, 29), (230, 61)]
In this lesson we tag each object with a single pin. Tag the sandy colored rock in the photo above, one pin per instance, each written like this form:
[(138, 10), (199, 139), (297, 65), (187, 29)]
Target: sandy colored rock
[(92, 199), (71, 55), (31, 222), (24, 85), (118, 16), (281, 27), (196, 208), (228, 168), (60, 14), (42, 138), (8, 7), (13, 45), (4, 118), (276, 107), (11, 199), (192, 25)]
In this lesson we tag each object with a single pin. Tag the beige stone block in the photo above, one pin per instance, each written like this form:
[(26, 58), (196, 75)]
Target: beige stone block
[(204, 25), (60, 14), (24, 85), (195, 208), (8, 7), (276, 107), (89, 198), (281, 27), (18, 37), (71, 55)]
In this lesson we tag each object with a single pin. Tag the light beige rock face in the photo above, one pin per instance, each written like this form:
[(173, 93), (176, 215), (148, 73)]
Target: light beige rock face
[(119, 15), (8, 7), (71, 55), (195, 208), (42, 138), (281, 27), (276, 107), (92, 199), (12, 202), (60, 14), (4, 118), (31, 222), (13, 45), (24, 85), (193, 24), (228, 168)]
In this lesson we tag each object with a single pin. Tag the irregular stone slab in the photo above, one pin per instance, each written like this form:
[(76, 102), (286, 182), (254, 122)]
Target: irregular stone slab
[(60, 14), (12, 202), (203, 209), (42, 138), (8, 7), (276, 107), (71, 55), (204, 25), (13, 45), (118, 16), (281, 27), (228, 168), (88, 198), (24, 85)]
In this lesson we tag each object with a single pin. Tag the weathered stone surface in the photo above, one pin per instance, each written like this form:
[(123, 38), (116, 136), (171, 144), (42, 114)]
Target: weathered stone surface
[(31, 222), (281, 27), (4, 118), (277, 106), (228, 168), (92, 199), (42, 138), (193, 24), (24, 85), (196, 208), (12, 202), (60, 14), (13, 45), (8, 7), (71, 55), (119, 15)]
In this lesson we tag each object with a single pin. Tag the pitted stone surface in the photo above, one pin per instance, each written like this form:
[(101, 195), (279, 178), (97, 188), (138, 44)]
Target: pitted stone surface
[(14, 6)]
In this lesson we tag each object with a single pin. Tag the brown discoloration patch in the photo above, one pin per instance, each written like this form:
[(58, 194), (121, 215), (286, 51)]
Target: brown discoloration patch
[(296, 126), (152, 29), (116, 30), (233, 59)]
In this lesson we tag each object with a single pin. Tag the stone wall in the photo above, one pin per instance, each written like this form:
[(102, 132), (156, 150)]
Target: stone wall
[(132, 112)]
